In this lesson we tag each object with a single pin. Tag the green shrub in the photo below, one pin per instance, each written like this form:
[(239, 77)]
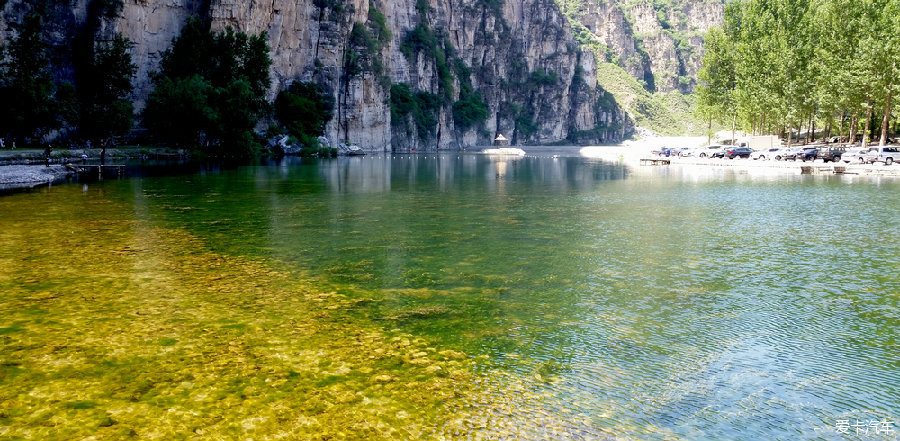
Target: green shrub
[(469, 111), (423, 107), (379, 23), (422, 39), (304, 109)]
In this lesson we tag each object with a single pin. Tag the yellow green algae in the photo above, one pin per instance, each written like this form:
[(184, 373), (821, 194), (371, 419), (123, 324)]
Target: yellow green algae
[(114, 328)]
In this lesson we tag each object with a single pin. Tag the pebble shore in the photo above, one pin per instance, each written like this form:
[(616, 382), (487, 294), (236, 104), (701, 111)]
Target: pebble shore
[(28, 176)]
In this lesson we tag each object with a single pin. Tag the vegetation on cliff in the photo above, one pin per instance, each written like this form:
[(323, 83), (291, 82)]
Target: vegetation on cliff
[(779, 65), (469, 110), (669, 114), (210, 89), (423, 107)]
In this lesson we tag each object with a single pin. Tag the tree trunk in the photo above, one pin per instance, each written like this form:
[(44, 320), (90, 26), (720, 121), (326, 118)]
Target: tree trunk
[(812, 125), (790, 134), (851, 137), (806, 136), (887, 117), (865, 139), (709, 132), (841, 131), (733, 123)]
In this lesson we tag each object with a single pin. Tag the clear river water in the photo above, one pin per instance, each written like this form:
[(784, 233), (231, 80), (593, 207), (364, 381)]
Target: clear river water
[(452, 296)]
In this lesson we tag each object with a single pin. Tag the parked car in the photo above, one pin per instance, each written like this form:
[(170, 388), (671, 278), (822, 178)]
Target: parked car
[(738, 152), (709, 150), (678, 151), (808, 154), (779, 154), (764, 153), (854, 155), (832, 154), (887, 155), (791, 154), (667, 151)]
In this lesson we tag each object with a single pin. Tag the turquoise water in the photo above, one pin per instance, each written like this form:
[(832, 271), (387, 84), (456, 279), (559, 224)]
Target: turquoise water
[(640, 303)]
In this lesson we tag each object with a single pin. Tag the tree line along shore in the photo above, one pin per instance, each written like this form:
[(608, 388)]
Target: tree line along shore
[(798, 67)]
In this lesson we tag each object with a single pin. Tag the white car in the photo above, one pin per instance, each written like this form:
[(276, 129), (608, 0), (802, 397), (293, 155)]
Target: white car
[(854, 156), (707, 151), (888, 155), (764, 153)]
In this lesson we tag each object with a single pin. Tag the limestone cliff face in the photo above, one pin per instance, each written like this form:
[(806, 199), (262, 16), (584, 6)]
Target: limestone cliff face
[(661, 46), (518, 55), (607, 20)]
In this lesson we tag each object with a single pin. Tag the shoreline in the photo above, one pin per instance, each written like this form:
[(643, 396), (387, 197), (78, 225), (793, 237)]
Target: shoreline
[(632, 156), (21, 177), (25, 169)]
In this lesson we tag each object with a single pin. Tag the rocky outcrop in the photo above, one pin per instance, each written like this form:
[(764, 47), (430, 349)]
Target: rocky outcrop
[(608, 22), (519, 57)]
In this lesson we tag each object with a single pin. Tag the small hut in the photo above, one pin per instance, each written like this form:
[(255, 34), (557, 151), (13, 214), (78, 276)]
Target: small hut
[(501, 141)]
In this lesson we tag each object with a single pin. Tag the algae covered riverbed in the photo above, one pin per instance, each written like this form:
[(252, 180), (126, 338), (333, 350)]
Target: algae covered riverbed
[(115, 327), (447, 297)]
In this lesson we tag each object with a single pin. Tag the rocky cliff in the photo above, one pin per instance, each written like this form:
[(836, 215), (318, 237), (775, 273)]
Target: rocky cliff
[(659, 43), (515, 59)]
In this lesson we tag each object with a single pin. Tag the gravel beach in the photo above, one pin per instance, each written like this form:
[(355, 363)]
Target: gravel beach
[(27, 176)]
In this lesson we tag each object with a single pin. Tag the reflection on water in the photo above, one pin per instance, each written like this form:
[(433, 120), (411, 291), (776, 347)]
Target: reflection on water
[(594, 300)]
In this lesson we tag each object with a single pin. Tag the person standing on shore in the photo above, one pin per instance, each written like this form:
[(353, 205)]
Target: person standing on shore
[(47, 151)]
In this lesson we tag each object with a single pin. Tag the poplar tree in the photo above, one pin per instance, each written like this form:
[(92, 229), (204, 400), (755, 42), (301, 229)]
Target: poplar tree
[(797, 62), (105, 91)]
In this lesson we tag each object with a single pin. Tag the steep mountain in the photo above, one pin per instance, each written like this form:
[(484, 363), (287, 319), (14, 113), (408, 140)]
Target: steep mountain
[(404, 74), (659, 43)]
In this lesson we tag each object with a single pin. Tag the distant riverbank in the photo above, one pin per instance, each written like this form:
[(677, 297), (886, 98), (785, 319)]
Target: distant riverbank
[(631, 153), (36, 156), (27, 168)]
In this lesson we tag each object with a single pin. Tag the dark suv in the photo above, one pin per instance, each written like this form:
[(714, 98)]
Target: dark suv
[(833, 154), (742, 152)]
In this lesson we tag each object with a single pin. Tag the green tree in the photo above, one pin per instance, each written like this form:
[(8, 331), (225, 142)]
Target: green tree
[(469, 111), (178, 110), (716, 79), (211, 90), (27, 90), (304, 109), (797, 62), (105, 89)]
